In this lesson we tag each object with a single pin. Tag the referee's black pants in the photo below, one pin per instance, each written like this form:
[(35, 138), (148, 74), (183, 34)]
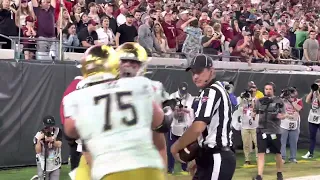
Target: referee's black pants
[(215, 166)]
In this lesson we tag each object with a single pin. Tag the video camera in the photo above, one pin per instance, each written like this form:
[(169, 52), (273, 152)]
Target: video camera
[(247, 94), (314, 87), (265, 106), (286, 93)]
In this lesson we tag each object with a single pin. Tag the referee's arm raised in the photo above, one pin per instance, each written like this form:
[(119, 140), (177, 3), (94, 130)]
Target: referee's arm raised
[(208, 103)]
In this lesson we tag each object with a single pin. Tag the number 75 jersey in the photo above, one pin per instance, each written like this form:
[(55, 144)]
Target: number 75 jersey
[(114, 121)]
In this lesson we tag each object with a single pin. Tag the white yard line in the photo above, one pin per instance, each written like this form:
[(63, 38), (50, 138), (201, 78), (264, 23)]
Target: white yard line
[(306, 178)]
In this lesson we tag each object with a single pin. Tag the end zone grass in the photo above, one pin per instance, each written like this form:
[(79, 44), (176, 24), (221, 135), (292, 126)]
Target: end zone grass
[(303, 168)]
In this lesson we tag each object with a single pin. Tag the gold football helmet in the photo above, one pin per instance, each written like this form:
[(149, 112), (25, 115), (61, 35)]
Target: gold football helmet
[(98, 60), (133, 52)]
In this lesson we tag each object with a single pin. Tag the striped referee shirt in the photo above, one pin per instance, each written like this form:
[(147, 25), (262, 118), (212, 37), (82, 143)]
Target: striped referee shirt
[(214, 108)]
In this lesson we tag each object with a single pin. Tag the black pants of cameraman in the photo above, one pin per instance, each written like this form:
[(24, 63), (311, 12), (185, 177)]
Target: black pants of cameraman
[(215, 164)]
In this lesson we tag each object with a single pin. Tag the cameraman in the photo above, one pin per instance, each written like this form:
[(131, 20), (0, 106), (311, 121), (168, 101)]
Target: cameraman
[(183, 117), (313, 98), (290, 126), (248, 124), (48, 143), (270, 111)]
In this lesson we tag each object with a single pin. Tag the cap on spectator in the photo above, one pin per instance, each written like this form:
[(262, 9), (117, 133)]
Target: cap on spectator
[(210, 5), (49, 121), (226, 13), (29, 19), (129, 15), (200, 61), (92, 22), (273, 33), (246, 31), (251, 84), (24, 1), (185, 12), (216, 11), (166, 13)]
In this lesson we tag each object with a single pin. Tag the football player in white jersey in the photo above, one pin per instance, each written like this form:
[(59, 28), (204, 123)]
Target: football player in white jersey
[(133, 62), (114, 119)]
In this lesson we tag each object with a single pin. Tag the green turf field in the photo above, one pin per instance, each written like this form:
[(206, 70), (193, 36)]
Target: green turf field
[(303, 168)]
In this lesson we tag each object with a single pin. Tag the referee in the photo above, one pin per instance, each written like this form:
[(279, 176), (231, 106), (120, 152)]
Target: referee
[(211, 126)]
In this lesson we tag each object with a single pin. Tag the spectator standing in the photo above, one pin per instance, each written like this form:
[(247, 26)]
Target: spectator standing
[(284, 46), (63, 21), (137, 18), (29, 31), (258, 49), (272, 48), (160, 37), (7, 23), (83, 23), (108, 11), (82, 5), (76, 14), (23, 11), (170, 32), (46, 21), (93, 12), (121, 18), (244, 48), (226, 30), (311, 48), (69, 36), (105, 34), (146, 37), (88, 36), (181, 35), (126, 32), (192, 44), (209, 41)]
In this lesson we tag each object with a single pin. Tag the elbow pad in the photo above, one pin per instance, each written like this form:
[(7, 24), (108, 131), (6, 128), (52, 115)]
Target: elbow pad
[(165, 126)]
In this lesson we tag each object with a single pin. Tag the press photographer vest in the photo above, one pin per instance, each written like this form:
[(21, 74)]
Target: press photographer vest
[(246, 112), (314, 112), (53, 156), (290, 123), (179, 126)]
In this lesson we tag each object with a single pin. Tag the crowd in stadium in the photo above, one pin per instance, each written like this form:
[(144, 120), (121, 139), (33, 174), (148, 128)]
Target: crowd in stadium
[(255, 31)]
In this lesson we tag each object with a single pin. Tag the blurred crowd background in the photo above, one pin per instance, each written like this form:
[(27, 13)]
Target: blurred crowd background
[(256, 31)]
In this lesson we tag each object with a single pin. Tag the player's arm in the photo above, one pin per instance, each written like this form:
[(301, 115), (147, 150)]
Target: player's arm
[(158, 137), (70, 109), (86, 154), (70, 128)]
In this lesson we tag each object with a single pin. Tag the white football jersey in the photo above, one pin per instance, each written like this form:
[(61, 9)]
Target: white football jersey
[(114, 120), (160, 93)]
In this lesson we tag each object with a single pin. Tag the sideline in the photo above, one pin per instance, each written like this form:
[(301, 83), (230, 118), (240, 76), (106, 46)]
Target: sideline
[(305, 178)]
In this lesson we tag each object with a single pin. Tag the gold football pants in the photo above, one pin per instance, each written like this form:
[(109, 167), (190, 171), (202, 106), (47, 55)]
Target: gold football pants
[(137, 174), (83, 170)]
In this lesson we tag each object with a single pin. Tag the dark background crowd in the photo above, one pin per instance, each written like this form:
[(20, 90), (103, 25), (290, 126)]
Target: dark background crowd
[(271, 31)]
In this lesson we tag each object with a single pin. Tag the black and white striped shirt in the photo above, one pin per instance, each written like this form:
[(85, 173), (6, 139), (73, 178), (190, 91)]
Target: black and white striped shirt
[(214, 108)]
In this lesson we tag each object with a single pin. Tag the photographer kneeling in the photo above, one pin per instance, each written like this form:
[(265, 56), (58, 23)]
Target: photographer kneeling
[(48, 143), (270, 111), (290, 126)]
